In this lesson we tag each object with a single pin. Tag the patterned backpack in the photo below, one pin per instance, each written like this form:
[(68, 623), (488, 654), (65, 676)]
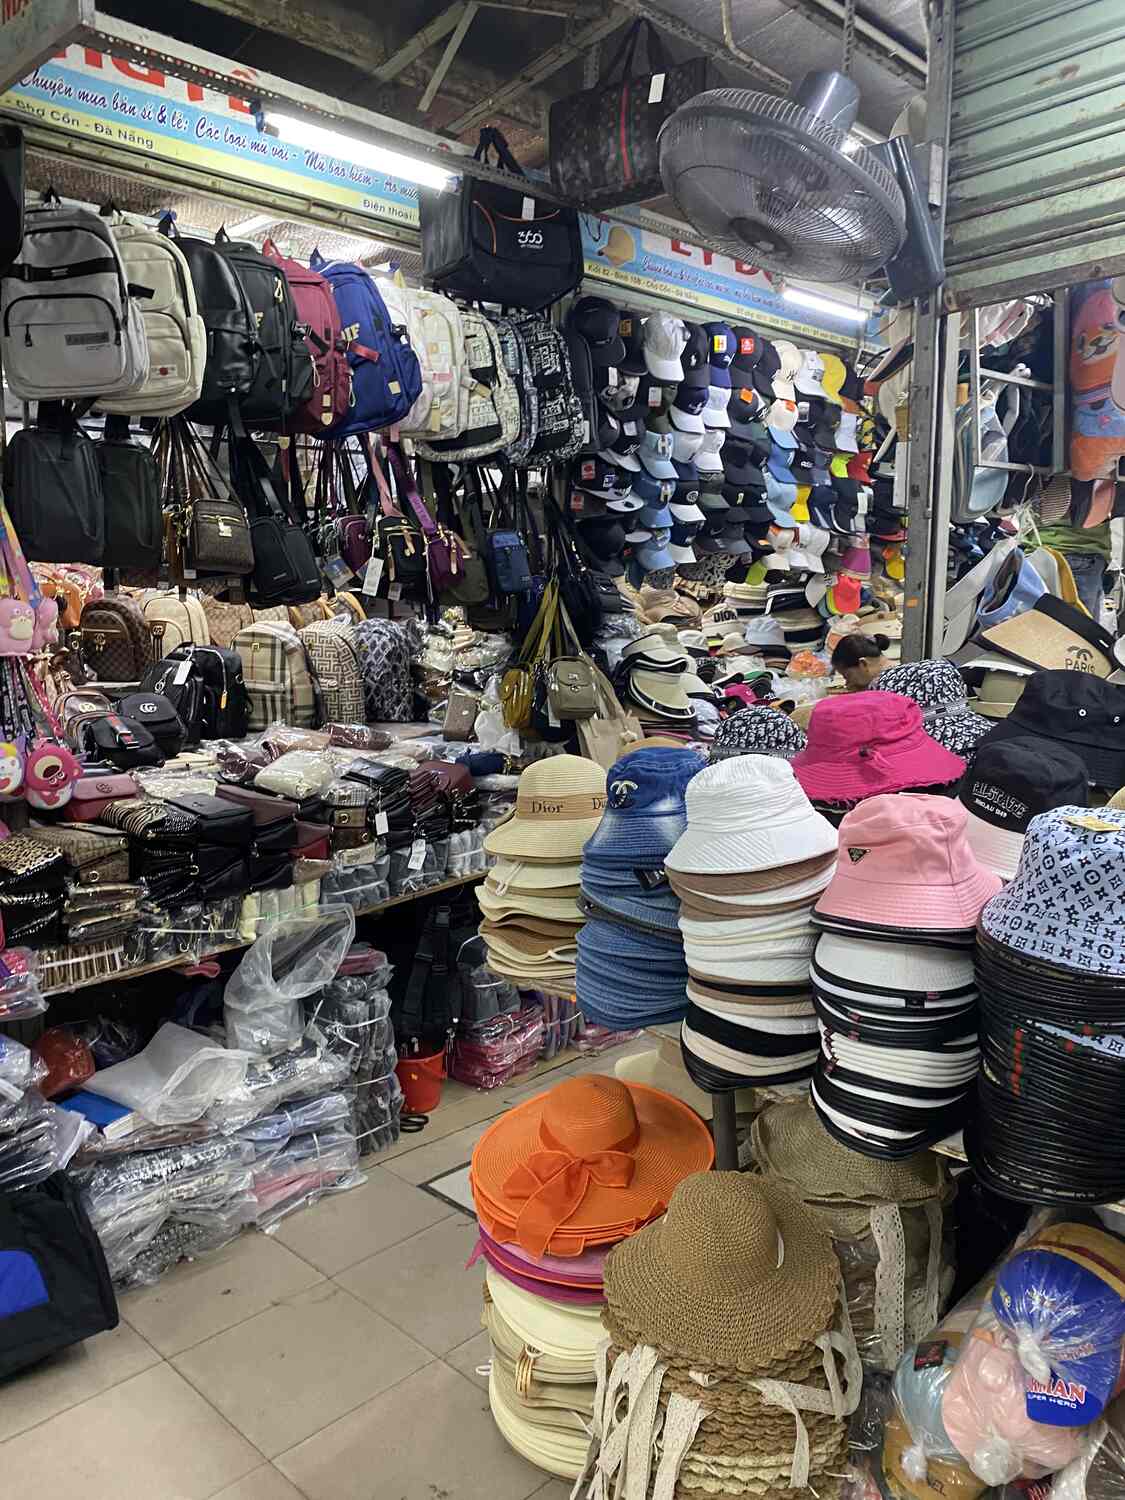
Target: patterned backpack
[(280, 681), (492, 420), (559, 423), (437, 334), (384, 655), (332, 650)]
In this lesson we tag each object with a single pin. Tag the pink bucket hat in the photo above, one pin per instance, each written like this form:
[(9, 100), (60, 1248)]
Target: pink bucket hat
[(861, 744), (906, 864)]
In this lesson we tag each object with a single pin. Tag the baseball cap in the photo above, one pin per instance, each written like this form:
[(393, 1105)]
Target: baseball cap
[(688, 514), (687, 483), (707, 459), (788, 366), (734, 540), (715, 412), (601, 476), (652, 491), (687, 409), (808, 377), (654, 554), (631, 329), (656, 517), (747, 350), (833, 377), (599, 323), (1009, 783), (686, 446), (721, 350), (745, 405), (604, 535), (617, 391), (697, 359), (782, 415), (766, 367), (739, 463), (715, 510), (847, 434), (665, 339), (656, 454), (851, 390)]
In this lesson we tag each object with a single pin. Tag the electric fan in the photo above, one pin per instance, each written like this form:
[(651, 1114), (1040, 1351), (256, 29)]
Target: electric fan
[(782, 183)]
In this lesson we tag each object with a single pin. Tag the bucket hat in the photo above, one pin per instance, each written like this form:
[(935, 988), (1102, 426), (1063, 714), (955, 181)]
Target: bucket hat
[(939, 691), (757, 731), (906, 865), (863, 744), (1075, 710), (559, 803), (748, 813), (1010, 782), (644, 813), (999, 687), (590, 1155), (665, 339), (735, 1275), (891, 975)]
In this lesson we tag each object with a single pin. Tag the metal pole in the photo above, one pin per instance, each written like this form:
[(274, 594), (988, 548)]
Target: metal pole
[(725, 1132)]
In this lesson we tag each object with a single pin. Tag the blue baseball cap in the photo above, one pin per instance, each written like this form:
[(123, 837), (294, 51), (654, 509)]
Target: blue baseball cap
[(653, 491), (722, 346), (656, 517), (654, 555)]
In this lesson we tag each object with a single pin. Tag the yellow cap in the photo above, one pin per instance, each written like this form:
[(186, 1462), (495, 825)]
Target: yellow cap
[(799, 510), (833, 377), (839, 465)]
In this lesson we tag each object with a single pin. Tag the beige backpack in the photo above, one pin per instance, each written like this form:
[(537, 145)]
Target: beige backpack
[(280, 680)]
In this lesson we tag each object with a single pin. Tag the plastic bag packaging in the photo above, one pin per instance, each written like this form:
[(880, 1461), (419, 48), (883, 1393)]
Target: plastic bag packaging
[(111, 1041), (1043, 1356), (358, 887), (307, 1070), (67, 1058), (562, 1024), (1098, 1473), (21, 995), (183, 1238), (289, 961), (46, 1143), (280, 740), (20, 1070), (357, 737), (378, 1107), (239, 761), (466, 853), (272, 1132), (594, 1038), (309, 1166), (490, 729), (492, 1053), (176, 1079), (297, 774)]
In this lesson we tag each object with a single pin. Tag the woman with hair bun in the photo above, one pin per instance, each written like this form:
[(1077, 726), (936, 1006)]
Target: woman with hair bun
[(859, 659)]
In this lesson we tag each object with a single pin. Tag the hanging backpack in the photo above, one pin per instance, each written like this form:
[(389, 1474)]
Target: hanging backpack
[(489, 243), (116, 642), (175, 620), (180, 682), (173, 328), (233, 351), (386, 378), (53, 485), (280, 685), (12, 178), (384, 656), (559, 430), (492, 421), (329, 400), (335, 658), (438, 337), (68, 326), (134, 515)]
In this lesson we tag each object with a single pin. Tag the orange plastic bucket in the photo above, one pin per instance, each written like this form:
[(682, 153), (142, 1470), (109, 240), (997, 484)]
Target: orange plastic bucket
[(421, 1079)]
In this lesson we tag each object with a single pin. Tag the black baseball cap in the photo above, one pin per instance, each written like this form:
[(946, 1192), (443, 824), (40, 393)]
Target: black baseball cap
[(691, 398), (747, 350), (851, 386), (745, 405), (696, 358), (631, 330), (687, 484), (599, 323), (603, 535), (767, 365), (600, 477), (740, 463)]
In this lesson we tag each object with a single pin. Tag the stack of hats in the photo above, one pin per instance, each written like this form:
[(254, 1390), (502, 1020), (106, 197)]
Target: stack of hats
[(555, 1182), (893, 976), (1009, 782), (726, 1374), (529, 899), (747, 870), (1078, 712), (631, 970), (895, 1288), (864, 744), (655, 677), (1050, 968), (759, 730), (940, 692)]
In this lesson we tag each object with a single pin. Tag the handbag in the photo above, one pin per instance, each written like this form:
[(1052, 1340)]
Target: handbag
[(471, 584), (205, 529), (492, 243), (398, 539), (220, 821), (518, 684), (285, 566), (445, 551), (119, 741), (94, 856), (95, 790), (603, 141), (152, 822), (607, 736)]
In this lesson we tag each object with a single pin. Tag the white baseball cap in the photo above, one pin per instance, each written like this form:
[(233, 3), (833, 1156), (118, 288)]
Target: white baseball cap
[(686, 421), (809, 378), (685, 446), (847, 434), (783, 414), (715, 412), (790, 357), (665, 339), (707, 460)]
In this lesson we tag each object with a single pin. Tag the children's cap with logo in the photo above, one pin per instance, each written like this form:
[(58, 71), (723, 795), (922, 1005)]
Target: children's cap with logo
[(697, 357), (721, 349)]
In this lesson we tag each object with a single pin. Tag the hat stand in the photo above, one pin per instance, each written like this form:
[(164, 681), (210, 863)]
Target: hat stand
[(725, 1133)]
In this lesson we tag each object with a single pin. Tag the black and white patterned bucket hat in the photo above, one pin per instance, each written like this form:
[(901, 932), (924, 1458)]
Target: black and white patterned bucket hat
[(940, 692), (757, 731)]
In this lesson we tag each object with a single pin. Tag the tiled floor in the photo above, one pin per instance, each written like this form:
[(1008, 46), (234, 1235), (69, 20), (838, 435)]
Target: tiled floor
[(340, 1359)]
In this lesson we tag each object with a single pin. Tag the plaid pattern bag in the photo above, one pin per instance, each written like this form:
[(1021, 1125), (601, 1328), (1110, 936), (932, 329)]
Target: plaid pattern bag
[(332, 650), (279, 678)]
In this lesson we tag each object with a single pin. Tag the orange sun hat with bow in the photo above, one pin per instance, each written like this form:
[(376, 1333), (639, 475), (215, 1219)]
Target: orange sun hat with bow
[(584, 1164)]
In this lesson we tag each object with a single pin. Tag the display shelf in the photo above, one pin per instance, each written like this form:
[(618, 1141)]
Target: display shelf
[(179, 960)]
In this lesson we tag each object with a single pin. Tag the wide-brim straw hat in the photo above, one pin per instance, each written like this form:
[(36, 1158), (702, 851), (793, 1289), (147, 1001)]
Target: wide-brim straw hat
[(560, 1453), (559, 803), (735, 1274), (589, 1157), (570, 1331), (514, 875), (559, 909), (790, 1143)]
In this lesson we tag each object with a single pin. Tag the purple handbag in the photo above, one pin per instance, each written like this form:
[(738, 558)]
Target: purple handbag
[(445, 551), (355, 542)]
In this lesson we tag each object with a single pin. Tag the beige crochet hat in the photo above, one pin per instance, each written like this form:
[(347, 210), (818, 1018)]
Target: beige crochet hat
[(735, 1274)]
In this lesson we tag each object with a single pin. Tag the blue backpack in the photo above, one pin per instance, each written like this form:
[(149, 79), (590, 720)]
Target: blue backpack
[(386, 378)]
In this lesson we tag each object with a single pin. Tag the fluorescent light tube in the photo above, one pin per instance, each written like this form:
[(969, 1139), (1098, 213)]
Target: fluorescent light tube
[(302, 132), (249, 226), (826, 305)]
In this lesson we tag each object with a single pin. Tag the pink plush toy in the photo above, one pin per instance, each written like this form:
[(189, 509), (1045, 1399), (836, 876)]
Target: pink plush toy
[(49, 775)]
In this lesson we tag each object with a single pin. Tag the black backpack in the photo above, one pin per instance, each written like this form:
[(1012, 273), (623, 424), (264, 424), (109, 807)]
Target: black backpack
[(226, 703), (426, 1003), (284, 376), (585, 388), (154, 713), (134, 515), (53, 487), (11, 194), (559, 415), (180, 681), (233, 351), (119, 742), (489, 243)]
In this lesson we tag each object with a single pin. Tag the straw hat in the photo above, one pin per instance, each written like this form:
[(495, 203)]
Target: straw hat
[(561, 1453), (513, 875), (590, 1155), (735, 1274), (559, 803)]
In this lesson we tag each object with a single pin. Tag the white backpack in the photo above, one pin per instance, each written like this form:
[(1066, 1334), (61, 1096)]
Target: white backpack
[(438, 336), (68, 326), (175, 622), (174, 331)]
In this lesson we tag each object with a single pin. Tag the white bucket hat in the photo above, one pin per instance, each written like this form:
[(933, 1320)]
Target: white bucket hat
[(914, 969), (749, 813)]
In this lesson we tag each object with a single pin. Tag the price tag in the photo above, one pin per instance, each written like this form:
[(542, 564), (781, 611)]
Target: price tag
[(382, 823), (655, 395), (417, 854), (1091, 822), (183, 672), (395, 591), (373, 577), (527, 208), (656, 88), (338, 570), (611, 377), (577, 504)]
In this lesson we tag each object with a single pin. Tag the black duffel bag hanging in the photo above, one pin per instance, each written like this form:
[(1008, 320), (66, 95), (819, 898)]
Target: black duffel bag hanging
[(489, 243), (603, 141)]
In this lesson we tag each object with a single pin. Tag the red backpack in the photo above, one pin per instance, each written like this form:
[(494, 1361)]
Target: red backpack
[(331, 393)]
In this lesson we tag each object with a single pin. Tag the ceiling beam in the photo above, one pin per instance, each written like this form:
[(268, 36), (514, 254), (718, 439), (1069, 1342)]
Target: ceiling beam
[(571, 9), (421, 41), (445, 62), (871, 40)]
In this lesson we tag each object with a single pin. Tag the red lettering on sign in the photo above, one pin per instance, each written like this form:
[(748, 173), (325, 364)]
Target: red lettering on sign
[(142, 75)]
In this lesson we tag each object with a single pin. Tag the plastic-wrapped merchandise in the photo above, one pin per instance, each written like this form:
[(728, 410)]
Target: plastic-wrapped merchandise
[(1043, 1357), (45, 1142), (491, 1053), (298, 774), (595, 1038), (353, 1016), (466, 853), (109, 1040), (307, 1070), (289, 961), (21, 994), (378, 1110), (270, 1133), (20, 1070), (176, 1239), (309, 1166), (283, 739), (67, 1058), (176, 1079), (563, 1023), (240, 761), (1098, 1473), (357, 737), (114, 1185)]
